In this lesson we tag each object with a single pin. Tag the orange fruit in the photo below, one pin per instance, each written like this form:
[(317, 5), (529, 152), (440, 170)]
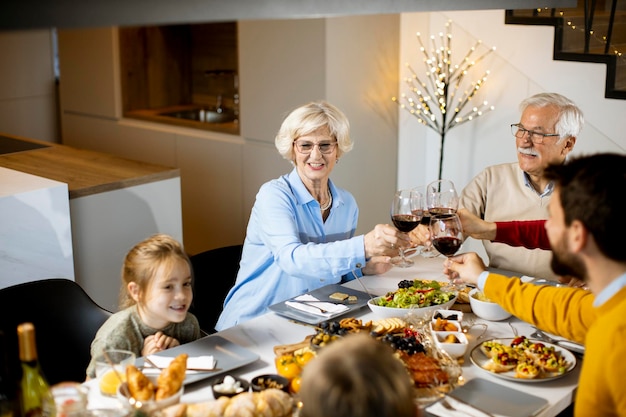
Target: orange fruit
[(304, 358), (109, 383), (294, 385)]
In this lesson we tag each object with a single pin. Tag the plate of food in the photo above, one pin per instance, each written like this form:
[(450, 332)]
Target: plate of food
[(325, 303), (420, 297), (521, 359)]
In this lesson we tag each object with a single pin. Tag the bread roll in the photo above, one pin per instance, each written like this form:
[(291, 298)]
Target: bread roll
[(171, 378), (139, 386)]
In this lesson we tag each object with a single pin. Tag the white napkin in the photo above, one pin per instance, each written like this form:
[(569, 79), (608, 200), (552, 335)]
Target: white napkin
[(461, 409), (331, 308), (200, 362)]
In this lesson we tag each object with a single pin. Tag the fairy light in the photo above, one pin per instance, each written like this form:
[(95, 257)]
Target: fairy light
[(438, 98), (600, 38)]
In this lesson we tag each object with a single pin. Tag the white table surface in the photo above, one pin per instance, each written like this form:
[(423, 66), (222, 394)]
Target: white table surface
[(261, 334)]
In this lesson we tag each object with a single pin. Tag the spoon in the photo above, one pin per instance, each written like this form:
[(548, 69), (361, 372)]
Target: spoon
[(573, 346)]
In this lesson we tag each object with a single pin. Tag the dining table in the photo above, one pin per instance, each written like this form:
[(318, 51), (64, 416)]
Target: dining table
[(261, 334)]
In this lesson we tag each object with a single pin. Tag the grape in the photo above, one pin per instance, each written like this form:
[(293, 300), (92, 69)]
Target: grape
[(405, 283), (408, 344)]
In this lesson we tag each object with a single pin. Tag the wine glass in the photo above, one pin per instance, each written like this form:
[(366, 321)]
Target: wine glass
[(406, 213), (441, 197), (446, 233)]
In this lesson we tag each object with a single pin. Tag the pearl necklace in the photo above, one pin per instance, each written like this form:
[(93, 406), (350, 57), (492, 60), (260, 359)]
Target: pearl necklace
[(328, 203)]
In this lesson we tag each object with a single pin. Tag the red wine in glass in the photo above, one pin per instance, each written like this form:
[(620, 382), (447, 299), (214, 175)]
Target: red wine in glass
[(441, 211), (447, 245), (405, 222), (446, 233), (406, 211)]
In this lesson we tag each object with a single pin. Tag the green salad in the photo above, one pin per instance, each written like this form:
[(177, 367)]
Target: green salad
[(416, 293)]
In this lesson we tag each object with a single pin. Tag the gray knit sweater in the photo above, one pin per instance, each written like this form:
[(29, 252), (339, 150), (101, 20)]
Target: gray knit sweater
[(125, 330)]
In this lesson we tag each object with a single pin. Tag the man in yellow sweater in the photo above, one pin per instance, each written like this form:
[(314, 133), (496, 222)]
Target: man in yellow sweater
[(545, 134), (586, 229)]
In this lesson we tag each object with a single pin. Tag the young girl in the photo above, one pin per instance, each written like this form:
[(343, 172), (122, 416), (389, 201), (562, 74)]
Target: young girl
[(155, 296)]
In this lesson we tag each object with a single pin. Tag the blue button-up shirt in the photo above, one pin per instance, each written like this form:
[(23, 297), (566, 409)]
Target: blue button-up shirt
[(290, 250)]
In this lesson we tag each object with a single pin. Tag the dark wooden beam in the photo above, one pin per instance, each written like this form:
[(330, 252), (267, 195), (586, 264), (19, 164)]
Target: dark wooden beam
[(31, 14)]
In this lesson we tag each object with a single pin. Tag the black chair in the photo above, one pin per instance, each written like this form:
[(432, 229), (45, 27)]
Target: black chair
[(66, 320), (214, 272)]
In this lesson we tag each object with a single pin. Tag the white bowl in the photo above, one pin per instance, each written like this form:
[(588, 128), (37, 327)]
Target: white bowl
[(456, 324), (423, 312), (455, 350), (146, 406), (448, 315), (487, 310)]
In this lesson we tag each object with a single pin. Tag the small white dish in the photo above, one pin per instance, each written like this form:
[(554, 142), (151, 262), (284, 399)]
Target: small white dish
[(456, 324), (487, 310), (450, 315), (455, 350)]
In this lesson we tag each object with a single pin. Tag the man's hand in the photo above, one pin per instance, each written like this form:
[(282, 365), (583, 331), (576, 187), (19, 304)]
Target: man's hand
[(464, 268), (420, 235), (158, 342), (572, 282), (474, 226)]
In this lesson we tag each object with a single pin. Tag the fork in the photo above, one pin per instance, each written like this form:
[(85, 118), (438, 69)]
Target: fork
[(573, 346), (307, 303)]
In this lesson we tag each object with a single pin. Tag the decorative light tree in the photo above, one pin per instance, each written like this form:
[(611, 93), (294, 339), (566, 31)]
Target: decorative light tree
[(438, 100)]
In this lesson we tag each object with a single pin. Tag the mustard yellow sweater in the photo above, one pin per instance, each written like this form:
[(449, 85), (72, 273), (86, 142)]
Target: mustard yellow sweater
[(570, 313)]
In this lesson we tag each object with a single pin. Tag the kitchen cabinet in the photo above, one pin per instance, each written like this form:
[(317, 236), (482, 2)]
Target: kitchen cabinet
[(351, 62), (35, 232), (113, 203)]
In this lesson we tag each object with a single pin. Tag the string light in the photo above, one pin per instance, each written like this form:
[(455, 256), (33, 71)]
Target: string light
[(602, 39), (438, 98)]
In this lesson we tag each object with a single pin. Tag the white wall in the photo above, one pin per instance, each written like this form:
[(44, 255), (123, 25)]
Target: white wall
[(521, 66)]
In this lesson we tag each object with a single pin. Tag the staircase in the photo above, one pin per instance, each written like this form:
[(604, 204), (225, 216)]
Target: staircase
[(594, 31)]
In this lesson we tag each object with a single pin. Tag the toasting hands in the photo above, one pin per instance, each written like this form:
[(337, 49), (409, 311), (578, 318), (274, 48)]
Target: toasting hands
[(385, 240), (464, 268)]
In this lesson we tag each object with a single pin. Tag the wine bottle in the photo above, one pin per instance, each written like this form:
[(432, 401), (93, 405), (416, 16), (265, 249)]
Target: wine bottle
[(9, 402), (35, 397)]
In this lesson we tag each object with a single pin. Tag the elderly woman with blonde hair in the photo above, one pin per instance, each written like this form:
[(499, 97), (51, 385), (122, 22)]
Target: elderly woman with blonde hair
[(301, 231)]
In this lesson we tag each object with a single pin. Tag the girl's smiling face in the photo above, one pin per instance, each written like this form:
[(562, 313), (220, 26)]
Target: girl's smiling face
[(168, 296)]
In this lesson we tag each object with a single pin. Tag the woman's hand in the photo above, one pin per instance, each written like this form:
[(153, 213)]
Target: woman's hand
[(377, 265), (464, 268), (385, 240), (158, 342), (476, 227)]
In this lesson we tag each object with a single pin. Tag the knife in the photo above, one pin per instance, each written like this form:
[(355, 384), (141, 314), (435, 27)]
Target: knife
[(362, 285)]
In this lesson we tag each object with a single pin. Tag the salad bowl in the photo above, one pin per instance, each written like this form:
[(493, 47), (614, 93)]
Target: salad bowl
[(417, 312), (419, 298)]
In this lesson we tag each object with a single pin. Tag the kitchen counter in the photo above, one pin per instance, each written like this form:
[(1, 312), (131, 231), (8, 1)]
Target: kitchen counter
[(113, 204), (85, 172), (156, 115)]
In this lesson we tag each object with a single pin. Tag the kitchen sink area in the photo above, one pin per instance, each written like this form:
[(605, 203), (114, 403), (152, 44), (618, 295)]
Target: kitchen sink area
[(203, 115), (224, 120)]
